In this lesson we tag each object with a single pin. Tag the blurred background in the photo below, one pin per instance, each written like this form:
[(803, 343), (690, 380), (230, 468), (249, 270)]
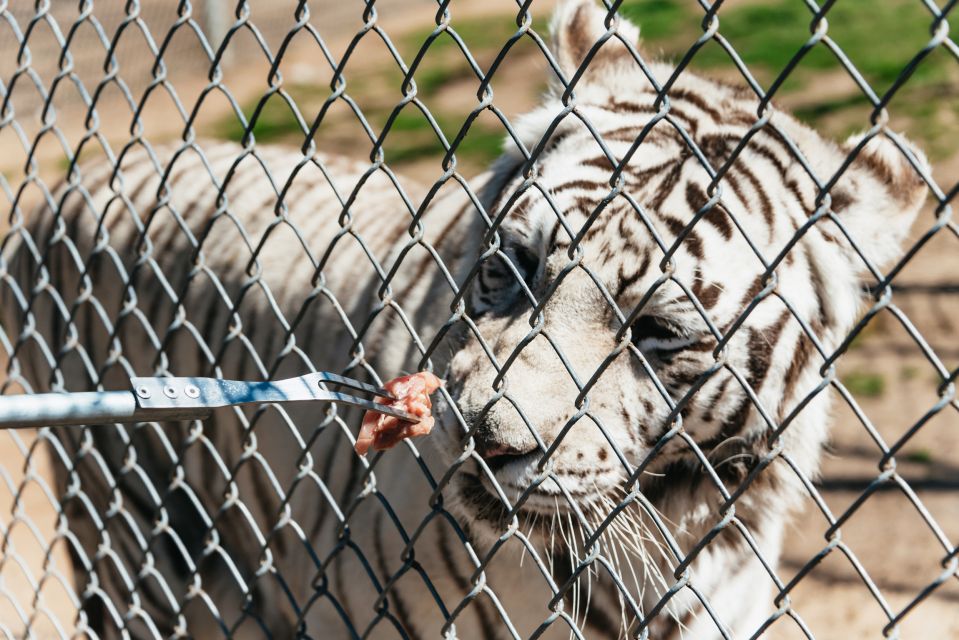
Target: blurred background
[(47, 121)]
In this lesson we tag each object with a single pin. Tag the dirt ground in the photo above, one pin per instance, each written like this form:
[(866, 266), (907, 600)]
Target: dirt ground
[(887, 535), (891, 544)]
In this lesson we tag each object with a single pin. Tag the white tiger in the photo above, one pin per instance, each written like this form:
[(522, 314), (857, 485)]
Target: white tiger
[(268, 523)]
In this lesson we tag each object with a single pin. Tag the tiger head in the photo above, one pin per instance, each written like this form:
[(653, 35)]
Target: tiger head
[(633, 309)]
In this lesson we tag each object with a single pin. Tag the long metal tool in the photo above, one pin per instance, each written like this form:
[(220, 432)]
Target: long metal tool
[(151, 399)]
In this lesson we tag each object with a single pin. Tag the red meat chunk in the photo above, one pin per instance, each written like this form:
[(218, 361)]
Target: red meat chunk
[(412, 395)]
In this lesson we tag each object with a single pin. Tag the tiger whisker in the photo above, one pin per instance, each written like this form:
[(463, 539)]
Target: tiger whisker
[(735, 456)]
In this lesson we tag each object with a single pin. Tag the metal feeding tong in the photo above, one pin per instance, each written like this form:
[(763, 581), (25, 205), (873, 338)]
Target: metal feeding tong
[(157, 399)]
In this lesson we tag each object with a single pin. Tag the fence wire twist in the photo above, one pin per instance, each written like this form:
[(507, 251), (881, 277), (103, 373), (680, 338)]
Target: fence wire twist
[(55, 103)]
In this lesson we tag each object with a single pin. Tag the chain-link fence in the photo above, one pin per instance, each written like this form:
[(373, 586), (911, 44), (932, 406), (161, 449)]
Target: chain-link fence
[(699, 371)]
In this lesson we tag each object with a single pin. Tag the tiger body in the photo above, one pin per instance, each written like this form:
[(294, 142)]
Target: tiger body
[(288, 500)]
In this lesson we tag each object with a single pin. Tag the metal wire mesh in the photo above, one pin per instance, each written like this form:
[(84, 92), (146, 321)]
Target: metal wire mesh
[(214, 528)]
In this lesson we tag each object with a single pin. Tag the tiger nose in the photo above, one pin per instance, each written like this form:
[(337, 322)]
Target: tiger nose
[(498, 450), (499, 457)]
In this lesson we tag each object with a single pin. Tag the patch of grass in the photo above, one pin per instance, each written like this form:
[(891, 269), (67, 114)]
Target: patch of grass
[(813, 112), (430, 79), (908, 372), (275, 122), (89, 151), (879, 39), (936, 126), (63, 164), (864, 384), (658, 20), (482, 35), (919, 456), (444, 63), (837, 118), (412, 138), (879, 42)]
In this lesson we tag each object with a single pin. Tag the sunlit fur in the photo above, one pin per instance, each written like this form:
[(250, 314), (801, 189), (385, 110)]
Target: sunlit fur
[(330, 571), (766, 196)]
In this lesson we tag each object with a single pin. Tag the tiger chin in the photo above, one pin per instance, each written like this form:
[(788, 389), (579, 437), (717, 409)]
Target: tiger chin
[(749, 410), (712, 385)]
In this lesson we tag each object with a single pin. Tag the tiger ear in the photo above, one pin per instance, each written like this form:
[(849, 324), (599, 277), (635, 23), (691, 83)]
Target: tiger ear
[(879, 195), (576, 27)]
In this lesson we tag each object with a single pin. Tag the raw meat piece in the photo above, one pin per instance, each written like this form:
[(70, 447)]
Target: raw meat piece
[(412, 395)]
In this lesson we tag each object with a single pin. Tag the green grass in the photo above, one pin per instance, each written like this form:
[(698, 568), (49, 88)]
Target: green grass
[(377, 90), (411, 136), (865, 385), (908, 372), (444, 63), (920, 456), (767, 35), (89, 152), (275, 121), (484, 36), (880, 42), (825, 108), (430, 79), (659, 20)]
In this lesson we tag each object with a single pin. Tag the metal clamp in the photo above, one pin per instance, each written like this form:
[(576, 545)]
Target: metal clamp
[(181, 399)]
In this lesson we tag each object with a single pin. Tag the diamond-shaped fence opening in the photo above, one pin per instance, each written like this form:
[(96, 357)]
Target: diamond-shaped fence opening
[(699, 359)]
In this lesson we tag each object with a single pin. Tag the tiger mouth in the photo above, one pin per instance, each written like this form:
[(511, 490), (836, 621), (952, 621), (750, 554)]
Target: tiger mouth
[(481, 500), (481, 504), (484, 503)]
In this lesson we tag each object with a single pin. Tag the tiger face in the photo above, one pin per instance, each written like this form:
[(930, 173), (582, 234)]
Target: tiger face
[(633, 312)]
